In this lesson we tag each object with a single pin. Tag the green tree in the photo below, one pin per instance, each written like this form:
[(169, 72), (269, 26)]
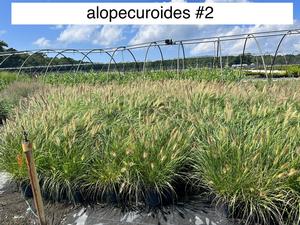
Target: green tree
[(2, 46)]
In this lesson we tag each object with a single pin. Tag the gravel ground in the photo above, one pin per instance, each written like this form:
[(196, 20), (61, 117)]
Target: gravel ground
[(13, 208)]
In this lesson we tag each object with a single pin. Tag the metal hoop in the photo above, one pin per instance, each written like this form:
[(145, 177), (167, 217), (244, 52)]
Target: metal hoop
[(219, 54), (123, 49), (180, 46), (277, 49), (40, 51), (61, 53), (100, 51), (259, 49), (146, 56)]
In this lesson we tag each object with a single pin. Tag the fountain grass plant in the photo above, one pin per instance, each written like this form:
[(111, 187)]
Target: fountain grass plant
[(138, 142), (250, 161), (95, 77), (6, 78), (13, 93), (90, 142)]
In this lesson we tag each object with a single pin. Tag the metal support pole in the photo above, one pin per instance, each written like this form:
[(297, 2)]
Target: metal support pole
[(38, 202), (219, 53)]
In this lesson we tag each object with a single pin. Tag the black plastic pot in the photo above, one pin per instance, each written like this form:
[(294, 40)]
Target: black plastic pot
[(26, 190), (110, 196), (153, 198)]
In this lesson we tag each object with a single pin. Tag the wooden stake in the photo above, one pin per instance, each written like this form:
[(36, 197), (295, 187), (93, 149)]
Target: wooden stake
[(35, 186)]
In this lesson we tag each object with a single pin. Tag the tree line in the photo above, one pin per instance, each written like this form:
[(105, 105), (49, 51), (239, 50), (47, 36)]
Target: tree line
[(38, 59), (41, 59)]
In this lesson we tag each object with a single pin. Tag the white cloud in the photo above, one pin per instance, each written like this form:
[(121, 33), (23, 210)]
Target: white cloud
[(2, 32), (42, 42), (109, 35), (297, 47), (77, 33), (149, 33), (268, 45), (99, 35)]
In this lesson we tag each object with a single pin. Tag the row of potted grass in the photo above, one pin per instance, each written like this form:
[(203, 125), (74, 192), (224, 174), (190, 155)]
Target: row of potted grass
[(151, 142)]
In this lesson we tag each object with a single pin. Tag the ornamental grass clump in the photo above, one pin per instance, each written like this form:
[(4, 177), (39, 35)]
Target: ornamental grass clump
[(249, 159), (93, 144), (204, 74), (6, 79), (13, 94)]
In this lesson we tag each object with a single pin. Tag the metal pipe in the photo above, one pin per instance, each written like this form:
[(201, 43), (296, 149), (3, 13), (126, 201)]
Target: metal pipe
[(259, 49), (147, 52), (180, 46)]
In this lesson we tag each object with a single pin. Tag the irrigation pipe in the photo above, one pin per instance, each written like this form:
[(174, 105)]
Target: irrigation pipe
[(30, 208)]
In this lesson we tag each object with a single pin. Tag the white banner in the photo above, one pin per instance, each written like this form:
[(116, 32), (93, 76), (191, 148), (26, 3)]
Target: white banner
[(151, 13)]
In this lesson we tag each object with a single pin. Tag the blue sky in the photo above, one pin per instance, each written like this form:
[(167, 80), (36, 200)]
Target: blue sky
[(36, 37)]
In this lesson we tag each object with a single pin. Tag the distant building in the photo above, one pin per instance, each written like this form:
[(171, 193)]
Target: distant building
[(239, 65)]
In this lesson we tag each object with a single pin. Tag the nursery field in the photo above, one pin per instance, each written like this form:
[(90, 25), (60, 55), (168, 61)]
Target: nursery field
[(159, 138)]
